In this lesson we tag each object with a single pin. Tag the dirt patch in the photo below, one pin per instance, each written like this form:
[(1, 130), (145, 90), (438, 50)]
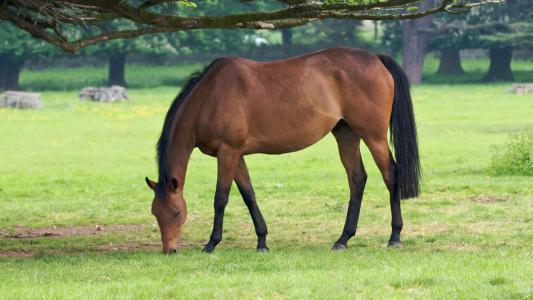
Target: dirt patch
[(26, 232), (488, 198), (102, 248), (22, 253), (135, 244), (139, 246)]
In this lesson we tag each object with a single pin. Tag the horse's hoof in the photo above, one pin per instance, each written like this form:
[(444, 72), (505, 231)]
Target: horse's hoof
[(208, 249), (339, 247), (394, 244), (263, 249)]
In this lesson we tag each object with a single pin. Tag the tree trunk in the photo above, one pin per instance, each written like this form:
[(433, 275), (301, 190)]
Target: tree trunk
[(3, 61), (500, 65), (10, 72), (286, 39), (450, 62), (376, 32), (415, 40), (117, 69)]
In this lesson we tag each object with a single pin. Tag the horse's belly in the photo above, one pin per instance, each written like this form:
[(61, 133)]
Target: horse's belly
[(285, 138)]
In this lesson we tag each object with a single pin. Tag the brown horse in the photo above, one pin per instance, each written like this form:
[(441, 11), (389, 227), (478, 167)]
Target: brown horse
[(237, 107)]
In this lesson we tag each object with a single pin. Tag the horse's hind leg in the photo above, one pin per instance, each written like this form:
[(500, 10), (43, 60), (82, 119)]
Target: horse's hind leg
[(383, 157), (242, 179), (350, 155)]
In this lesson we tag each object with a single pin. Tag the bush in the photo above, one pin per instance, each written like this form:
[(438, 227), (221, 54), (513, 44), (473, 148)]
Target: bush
[(515, 157)]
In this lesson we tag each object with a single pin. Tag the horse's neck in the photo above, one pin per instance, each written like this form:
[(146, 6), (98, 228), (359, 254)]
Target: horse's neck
[(181, 146)]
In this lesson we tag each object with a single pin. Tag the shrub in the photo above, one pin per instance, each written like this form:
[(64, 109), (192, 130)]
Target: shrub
[(515, 157)]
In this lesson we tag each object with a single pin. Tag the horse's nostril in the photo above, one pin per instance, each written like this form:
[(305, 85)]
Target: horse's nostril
[(169, 251)]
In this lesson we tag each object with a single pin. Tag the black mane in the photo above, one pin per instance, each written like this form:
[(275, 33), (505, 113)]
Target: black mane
[(164, 140)]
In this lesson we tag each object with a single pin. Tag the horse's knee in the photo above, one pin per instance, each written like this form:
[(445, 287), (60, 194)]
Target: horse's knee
[(248, 196), (220, 202), (360, 180)]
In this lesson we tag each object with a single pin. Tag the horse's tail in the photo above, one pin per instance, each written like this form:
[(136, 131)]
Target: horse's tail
[(403, 133)]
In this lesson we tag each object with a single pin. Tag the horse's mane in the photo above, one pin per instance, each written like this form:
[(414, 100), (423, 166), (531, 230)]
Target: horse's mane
[(164, 139)]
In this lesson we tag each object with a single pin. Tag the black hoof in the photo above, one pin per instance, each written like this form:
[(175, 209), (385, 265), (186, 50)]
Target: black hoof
[(209, 248), (263, 249), (338, 247), (394, 244)]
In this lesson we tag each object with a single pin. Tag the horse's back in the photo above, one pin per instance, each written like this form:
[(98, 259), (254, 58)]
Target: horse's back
[(287, 105)]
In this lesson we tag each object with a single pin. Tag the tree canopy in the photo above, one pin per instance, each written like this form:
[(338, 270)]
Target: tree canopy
[(59, 21)]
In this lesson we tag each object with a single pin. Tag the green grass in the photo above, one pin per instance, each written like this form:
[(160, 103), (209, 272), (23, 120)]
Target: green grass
[(515, 157), (140, 76), (475, 69), (137, 76), (469, 236)]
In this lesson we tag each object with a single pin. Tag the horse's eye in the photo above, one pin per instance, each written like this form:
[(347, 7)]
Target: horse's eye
[(176, 215)]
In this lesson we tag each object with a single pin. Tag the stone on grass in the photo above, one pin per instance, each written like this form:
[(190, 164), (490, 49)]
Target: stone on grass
[(521, 88), (104, 94), (16, 99)]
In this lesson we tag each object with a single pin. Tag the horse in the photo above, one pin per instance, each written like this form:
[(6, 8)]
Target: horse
[(236, 107)]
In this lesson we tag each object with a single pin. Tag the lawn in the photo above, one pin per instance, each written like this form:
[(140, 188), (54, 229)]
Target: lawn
[(72, 163)]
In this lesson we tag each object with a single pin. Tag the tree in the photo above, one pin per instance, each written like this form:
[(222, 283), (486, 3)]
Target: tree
[(508, 29), (51, 20), (286, 38), (329, 32), (16, 47), (116, 51), (415, 38), (450, 62), (449, 36)]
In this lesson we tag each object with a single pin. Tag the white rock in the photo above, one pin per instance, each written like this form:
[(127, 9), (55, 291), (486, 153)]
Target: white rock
[(16, 99)]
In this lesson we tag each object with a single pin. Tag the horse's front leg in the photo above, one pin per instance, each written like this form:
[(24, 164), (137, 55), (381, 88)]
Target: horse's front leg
[(228, 161), (242, 178)]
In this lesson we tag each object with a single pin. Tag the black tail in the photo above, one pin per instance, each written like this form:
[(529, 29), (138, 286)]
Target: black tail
[(403, 133)]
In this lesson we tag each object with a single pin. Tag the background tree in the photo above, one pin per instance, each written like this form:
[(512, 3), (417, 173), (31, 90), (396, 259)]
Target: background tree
[(508, 28), (16, 47), (329, 32), (48, 19), (415, 39), (449, 42)]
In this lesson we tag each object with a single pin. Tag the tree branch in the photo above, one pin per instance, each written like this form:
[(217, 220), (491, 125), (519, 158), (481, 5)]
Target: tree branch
[(43, 19)]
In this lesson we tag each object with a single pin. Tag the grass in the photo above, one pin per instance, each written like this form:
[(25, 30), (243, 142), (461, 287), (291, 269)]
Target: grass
[(475, 69), (140, 76), (137, 77), (469, 236), (514, 158)]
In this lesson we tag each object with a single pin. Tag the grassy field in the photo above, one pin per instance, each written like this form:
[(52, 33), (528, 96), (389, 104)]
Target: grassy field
[(141, 76), (72, 163)]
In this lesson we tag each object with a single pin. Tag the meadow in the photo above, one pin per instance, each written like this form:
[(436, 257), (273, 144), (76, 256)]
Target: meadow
[(79, 165)]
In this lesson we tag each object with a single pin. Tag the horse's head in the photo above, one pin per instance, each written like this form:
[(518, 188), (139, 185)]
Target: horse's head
[(170, 210)]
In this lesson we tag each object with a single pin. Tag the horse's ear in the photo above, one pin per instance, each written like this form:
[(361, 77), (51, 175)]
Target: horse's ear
[(174, 184), (150, 183)]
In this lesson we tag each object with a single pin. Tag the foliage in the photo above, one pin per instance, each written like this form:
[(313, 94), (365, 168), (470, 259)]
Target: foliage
[(329, 33), (510, 25), (515, 157), (156, 44), (49, 21), (21, 45)]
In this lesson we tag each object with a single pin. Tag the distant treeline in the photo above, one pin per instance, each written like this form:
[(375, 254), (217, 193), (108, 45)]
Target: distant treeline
[(499, 33)]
